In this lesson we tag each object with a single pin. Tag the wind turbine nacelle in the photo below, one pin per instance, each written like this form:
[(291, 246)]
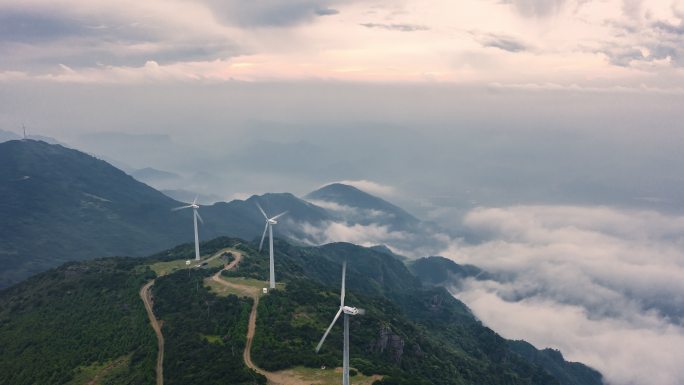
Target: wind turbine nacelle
[(350, 310), (273, 221)]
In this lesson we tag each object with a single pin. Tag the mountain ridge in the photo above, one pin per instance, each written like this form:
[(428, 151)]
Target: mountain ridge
[(420, 326), (61, 204)]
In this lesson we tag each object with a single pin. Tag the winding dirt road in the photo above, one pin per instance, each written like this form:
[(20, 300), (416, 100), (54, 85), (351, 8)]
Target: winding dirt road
[(147, 300), (146, 296), (273, 378)]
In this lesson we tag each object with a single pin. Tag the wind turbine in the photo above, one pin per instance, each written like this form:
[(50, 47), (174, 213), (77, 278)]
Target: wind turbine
[(347, 310), (195, 217), (269, 226)]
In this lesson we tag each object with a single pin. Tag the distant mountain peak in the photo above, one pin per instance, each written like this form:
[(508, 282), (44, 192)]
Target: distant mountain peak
[(342, 197)]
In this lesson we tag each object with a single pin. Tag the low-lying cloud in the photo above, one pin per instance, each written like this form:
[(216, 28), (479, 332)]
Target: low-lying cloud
[(371, 187), (606, 286)]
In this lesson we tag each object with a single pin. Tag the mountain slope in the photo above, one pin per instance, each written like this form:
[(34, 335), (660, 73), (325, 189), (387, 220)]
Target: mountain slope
[(356, 206), (8, 135), (408, 332), (443, 272), (60, 204)]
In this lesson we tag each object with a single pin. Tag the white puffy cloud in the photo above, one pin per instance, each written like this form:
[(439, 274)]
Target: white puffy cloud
[(606, 286), (364, 235)]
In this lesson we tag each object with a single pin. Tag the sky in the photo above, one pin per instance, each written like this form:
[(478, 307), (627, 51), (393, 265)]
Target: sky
[(525, 43), (543, 136)]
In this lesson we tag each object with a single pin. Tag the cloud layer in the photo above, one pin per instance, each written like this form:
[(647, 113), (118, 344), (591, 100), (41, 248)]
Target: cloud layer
[(605, 286), (597, 43)]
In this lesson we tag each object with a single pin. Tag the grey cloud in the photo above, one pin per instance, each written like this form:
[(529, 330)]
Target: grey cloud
[(661, 40), (327, 11), (669, 27), (622, 56), (270, 13), (36, 39), (506, 43), (396, 27), (27, 27), (536, 8)]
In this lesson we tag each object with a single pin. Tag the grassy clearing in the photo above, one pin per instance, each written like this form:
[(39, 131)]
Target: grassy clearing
[(215, 260), (95, 373), (329, 376), (212, 339), (251, 285)]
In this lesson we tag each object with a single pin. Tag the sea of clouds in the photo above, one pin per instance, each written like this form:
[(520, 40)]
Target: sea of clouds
[(603, 285)]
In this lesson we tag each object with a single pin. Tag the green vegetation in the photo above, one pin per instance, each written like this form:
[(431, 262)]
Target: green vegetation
[(80, 315), (204, 333), (97, 373), (85, 321), (383, 341)]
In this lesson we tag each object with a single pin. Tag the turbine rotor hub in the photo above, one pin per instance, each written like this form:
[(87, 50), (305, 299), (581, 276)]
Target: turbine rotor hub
[(350, 310)]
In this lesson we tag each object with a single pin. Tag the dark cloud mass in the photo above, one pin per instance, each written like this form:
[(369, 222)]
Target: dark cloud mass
[(27, 27), (396, 27), (270, 13), (39, 39)]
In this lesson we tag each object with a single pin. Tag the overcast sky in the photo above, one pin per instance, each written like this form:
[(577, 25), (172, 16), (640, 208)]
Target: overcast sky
[(550, 130)]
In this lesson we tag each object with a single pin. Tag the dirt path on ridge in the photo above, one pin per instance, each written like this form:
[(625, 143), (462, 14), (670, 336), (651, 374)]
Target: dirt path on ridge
[(146, 296), (147, 300), (253, 292)]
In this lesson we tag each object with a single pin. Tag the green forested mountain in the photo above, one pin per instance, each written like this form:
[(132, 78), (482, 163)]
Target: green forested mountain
[(442, 271), (65, 324)]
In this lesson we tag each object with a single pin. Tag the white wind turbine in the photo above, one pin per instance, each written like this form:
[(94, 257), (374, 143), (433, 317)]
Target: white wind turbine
[(269, 226), (347, 310), (195, 217)]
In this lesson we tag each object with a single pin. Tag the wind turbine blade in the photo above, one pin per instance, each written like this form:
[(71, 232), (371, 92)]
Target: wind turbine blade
[(194, 201), (328, 331), (344, 278), (279, 215), (262, 210), (181, 208), (199, 217), (263, 236)]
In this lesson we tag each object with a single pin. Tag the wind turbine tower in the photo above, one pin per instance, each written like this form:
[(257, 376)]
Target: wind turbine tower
[(348, 311), (195, 217), (269, 227)]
